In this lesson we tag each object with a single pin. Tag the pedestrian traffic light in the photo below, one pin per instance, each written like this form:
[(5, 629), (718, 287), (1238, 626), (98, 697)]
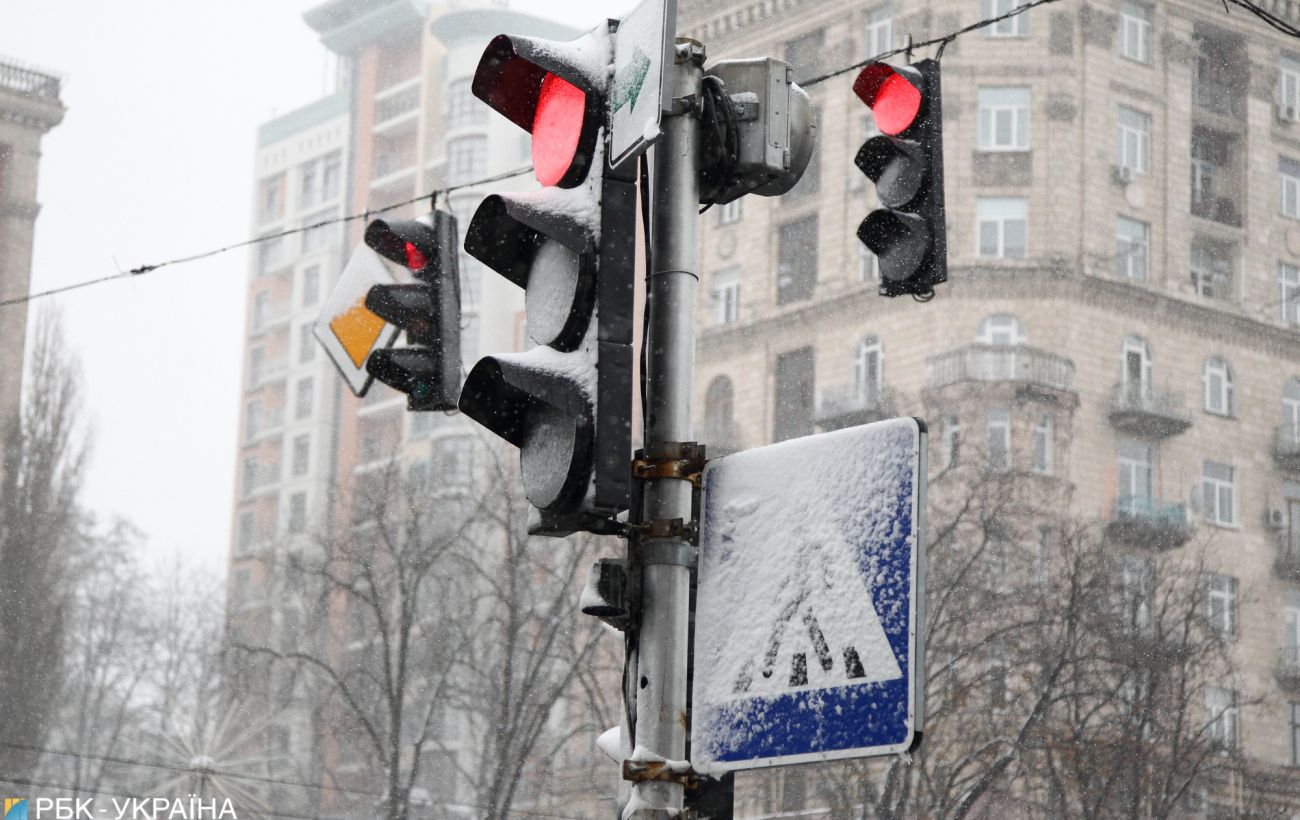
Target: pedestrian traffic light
[(907, 234), (428, 371), (566, 404)]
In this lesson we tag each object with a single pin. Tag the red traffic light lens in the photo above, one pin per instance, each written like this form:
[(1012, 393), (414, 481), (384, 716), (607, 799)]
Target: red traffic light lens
[(557, 128), (894, 98), (414, 259)]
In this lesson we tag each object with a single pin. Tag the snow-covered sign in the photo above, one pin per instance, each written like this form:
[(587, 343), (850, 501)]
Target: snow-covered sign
[(638, 92), (811, 599)]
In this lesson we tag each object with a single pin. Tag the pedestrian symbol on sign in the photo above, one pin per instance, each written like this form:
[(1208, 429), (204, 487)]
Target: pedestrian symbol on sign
[(807, 652)]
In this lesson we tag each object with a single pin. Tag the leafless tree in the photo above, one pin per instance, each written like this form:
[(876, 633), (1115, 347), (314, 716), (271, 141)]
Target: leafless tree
[(41, 527)]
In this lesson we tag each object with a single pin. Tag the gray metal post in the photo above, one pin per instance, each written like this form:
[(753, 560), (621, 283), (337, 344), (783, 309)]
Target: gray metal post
[(671, 286)]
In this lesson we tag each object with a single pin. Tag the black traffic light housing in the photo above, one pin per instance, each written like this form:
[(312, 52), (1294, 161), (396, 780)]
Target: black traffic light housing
[(908, 234), (428, 371), (566, 404)]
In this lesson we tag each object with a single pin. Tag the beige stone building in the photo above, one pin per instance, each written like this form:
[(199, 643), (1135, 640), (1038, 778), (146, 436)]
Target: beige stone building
[(1123, 310), (29, 107)]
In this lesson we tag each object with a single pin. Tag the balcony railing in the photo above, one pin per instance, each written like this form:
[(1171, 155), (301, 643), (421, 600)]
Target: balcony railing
[(1287, 670), (848, 406), (1145, 411), (996, 363), (1217, 209), (27, 81), (268, 371), (264, 423), (1286, 447), (271, 315), (1287, 564), (396, 104), (1144, 521)]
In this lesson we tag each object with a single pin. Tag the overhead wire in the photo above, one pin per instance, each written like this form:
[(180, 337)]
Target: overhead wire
[(140, 270)]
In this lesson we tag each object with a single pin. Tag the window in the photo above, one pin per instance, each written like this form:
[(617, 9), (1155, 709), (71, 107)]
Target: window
[(1135, 476), (1017, 26), (951, 441), (868, 369), (1134, 140), (310, 285), (1288, 88), (1001, 330), (301, 454), (239, 593), (1288, 173), (1219, 494), (248, 475), (1135, 32), (868, 264), (796, 269), (462, 107), (726, 296), (1221, 717), (1212, 263), (1288, 280), (245, 542), (1137, 579), (793, 413), (308, 184), (1291, 629), (1042, 554), (880, 30), (1135, 369), (331, 176), (306, 344), (466, 159), (1218, 386), (1295, 733), (270, 255), (1043, 444), (256, 358), (719, 405), (297, 512), (1291, 408), (999, 672), (1004, 119), (1003, 227), (302, 405), (1131, 242), (806, 52), (316, 236), (261, 309), (999, 438), (271, 197), (730, 213), (451, 459), (1221, 604), (995, 561)]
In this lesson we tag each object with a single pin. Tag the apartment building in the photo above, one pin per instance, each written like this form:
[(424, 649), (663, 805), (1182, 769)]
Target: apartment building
[(1123, 311), (29, 108), (284, 482)]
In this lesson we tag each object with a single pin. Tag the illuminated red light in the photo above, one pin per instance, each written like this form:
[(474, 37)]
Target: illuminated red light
[(414, 259), (894, 99), (557, 128)]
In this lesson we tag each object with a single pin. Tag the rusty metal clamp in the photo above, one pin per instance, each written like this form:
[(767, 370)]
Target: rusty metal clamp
[(682, 460)]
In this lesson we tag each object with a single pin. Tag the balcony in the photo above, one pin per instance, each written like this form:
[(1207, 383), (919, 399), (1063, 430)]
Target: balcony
[(267, 371), (846, 406), (1149, 522), (1287, 564), (1144, 411), (269, 315), (266, 423), (1286, 447), (264, 476), (1030, 368), (1287, 670), (396, 102)]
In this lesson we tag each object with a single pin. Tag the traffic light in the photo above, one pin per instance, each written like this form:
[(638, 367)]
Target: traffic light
[(907, 234), (428, 371), (566, 404)]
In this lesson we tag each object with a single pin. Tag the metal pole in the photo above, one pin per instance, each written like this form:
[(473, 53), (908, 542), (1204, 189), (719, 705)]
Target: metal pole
[(671, 285)]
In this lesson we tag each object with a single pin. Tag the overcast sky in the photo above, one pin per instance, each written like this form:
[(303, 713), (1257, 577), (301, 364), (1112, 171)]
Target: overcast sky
[(155, 160)]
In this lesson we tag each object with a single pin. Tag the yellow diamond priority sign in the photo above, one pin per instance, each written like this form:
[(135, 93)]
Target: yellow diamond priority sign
[(347, 330)]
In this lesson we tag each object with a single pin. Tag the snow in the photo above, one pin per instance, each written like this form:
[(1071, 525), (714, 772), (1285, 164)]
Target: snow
[(611, 742), (590, 55), (782, 547), (577, 366)]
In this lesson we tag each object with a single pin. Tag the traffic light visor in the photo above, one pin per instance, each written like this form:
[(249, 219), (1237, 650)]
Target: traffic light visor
[(893, 94)]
